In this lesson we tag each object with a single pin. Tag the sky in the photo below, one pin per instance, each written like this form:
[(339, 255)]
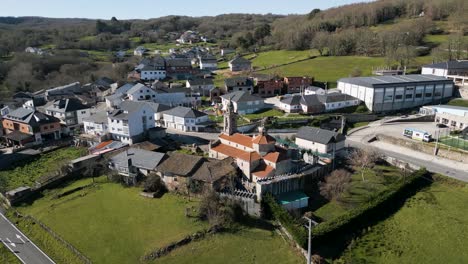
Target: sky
[(143, 9)]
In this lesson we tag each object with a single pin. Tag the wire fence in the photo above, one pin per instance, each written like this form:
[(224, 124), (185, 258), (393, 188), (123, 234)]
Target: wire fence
[(451, 139)]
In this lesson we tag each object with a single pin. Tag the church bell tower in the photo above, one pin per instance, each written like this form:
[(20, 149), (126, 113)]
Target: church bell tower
[(230, 119)]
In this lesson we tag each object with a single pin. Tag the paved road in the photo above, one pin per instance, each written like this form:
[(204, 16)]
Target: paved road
[(453, 169), (20, 245)]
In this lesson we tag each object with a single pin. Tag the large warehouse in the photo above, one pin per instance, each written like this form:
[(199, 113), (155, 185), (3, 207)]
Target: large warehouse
[(392, 93)]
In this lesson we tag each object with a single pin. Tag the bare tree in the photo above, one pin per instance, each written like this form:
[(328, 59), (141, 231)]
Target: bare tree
[(335, 184), (364, 159)]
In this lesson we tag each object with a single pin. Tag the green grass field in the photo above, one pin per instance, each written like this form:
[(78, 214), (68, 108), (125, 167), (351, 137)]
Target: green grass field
[(458, 102), (278, 57), (26, 172), (264, 113), (112, 224), (251, 245), (6, 257), (431, 227), (330, 68), (359, 191)]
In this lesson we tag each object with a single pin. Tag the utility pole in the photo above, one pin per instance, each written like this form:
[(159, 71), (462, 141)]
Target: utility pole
[(309, 246), (437, 142)]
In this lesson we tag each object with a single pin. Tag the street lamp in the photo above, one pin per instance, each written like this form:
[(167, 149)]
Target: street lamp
[(309, 259)]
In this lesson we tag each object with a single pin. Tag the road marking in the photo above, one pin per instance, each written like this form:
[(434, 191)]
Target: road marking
[(11, 243), (20, 238), (8, 221)]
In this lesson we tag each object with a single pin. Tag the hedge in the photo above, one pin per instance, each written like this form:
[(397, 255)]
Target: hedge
[(375, 208), (287, 221), (378, 207)]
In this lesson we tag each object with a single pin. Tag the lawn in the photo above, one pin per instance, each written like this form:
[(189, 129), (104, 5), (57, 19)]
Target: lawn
[(26, 172), (245, 246), (431, 227), (113, 224), (264, 113), (279, 57), (331, 68), (458, 102), (359, 191), (6, 257)]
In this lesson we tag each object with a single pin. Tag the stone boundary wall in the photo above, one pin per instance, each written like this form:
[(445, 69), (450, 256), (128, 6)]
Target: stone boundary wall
[(160, 252), (425, 148)]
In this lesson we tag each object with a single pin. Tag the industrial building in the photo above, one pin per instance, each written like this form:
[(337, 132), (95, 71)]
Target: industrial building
[(393, 93)]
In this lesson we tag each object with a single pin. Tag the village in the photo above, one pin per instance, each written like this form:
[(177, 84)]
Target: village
[(200, 148)]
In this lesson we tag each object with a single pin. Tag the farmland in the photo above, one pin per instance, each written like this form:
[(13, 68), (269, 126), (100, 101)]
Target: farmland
[(434, 220)]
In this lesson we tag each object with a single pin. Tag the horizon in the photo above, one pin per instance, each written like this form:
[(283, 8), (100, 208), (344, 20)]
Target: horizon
[(126, 11)]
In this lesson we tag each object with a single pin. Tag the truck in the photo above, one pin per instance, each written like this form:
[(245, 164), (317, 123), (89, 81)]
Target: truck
[(417, 134)]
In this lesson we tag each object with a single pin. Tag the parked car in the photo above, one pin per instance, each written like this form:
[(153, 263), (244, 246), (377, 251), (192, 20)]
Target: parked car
[(441, 126)]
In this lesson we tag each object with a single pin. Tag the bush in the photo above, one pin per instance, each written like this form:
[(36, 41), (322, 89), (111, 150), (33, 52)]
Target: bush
[(271, 206), (155, 185), (216, 211)]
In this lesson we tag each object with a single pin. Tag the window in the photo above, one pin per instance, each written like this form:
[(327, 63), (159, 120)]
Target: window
[(453, 123), (409, 96), (388, 98), (437, 93), (141, 91), (398, 97), (418, 95), (83, 112), (428, 95)]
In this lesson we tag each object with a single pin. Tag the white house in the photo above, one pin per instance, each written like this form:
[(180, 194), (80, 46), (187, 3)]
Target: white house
[(314, 90), (320, 140), (141, 92), (185, 119), (243, 102), (71, 112), (455, 70), (131, 120), (139, 51), (393, 93), (208, 62), (335, 101), (96, 125), (455, 117), (154, 69), (177, 97), (202, 86)]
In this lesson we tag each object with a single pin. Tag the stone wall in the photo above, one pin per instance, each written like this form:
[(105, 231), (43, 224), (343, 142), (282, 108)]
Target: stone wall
[(461, 156)]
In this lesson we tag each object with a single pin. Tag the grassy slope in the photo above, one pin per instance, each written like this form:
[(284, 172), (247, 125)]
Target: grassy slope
[(458, 102), (359, 191), (27, 172), (113, 224), (245, 246), (278, 57), (432, 225), (6, 256)]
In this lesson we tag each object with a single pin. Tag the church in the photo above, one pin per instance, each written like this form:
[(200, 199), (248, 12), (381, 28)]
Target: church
[(258, 157)]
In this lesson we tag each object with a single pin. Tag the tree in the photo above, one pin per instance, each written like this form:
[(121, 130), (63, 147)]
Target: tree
[(313, 13), (364, 159), (262, 32), (335, 184), (155, 184), (216, 211), (356, 72), (320, 42)]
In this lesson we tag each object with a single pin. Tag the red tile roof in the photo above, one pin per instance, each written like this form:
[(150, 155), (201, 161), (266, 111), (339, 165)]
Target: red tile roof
[(236, 153), (238, 138), (263, 171), (263, 139), (251, 156), (103, 144)]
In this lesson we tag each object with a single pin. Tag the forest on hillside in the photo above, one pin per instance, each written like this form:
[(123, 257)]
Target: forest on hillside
[(394, 29)]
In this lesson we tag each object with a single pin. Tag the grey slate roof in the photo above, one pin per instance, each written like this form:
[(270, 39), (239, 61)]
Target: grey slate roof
[(318, 135), (201, 81), (140, 158), (292, 100), (179, 164), (31, 117), (137, 88), (449, 65), (241, 96), (124, 88), (185, 112), (377, 81), (336, 97), (231, 82), (66, 105), (98, 118), (311, 100), (240, 60), (178, 63)]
